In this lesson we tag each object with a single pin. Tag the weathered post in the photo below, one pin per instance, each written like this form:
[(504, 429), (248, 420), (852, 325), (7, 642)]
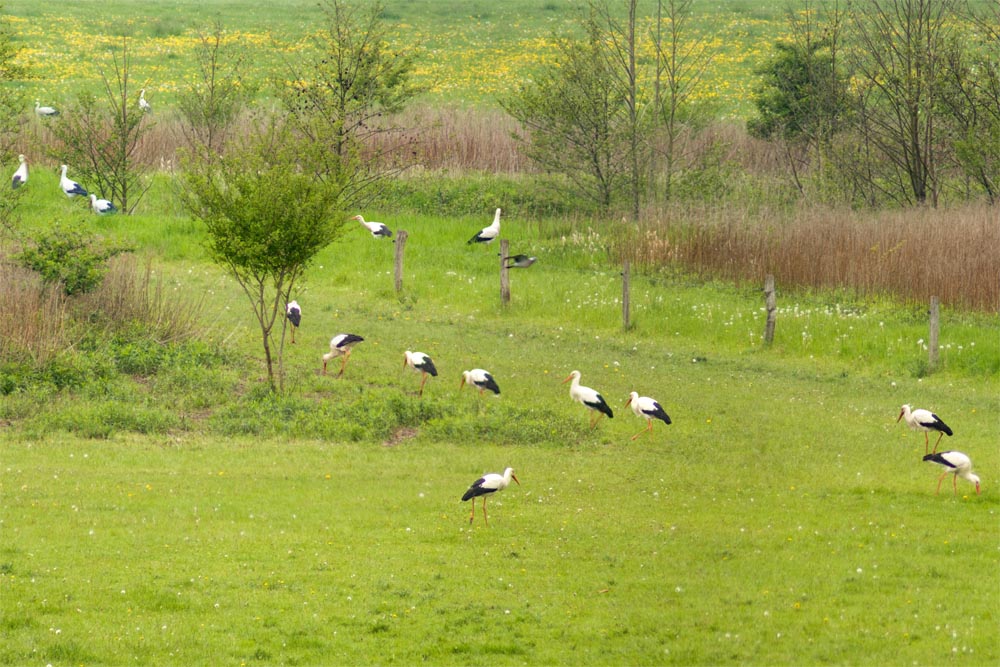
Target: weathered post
[(400, 243), (932, 338), (504, 273), (626, 291), (771, 303)]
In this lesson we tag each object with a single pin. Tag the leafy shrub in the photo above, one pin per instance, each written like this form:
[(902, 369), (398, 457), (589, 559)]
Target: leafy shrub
[(72, 258)]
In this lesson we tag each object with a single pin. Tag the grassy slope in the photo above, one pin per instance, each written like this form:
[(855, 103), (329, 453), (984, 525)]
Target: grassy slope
[(783, 517)]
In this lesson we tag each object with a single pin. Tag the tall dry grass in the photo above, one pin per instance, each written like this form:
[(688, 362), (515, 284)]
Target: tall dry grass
[(914, 254), (39, 322), (33, 317)]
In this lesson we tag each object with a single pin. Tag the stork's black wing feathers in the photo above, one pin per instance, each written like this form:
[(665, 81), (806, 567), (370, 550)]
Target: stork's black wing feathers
[(427, 366), (490, 383), (476, 490), (938, 458), (601, 406)]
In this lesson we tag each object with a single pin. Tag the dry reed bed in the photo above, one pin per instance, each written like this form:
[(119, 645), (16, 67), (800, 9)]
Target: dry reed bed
[(38, 321), (914, 254)]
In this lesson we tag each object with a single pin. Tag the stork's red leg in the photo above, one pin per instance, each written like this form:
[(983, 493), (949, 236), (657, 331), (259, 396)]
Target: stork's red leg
[(940, 435), (954, 482), (940, 479), (343, 363), (927, 443), (423, 379), (473, 515), (484, 512)]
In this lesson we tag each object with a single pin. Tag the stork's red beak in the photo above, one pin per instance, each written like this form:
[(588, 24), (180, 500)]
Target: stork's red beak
[(901, 413), (628, 401), (566, 380), (514, 477), (977, 488)]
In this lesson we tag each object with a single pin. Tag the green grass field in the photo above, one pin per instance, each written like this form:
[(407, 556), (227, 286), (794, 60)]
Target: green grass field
[(183, 518), (159, 507)]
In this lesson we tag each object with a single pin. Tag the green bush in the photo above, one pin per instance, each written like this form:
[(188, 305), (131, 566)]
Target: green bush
[(70, 257)]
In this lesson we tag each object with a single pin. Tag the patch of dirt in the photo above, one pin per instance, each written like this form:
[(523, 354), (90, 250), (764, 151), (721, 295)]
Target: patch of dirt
[(400, 435)]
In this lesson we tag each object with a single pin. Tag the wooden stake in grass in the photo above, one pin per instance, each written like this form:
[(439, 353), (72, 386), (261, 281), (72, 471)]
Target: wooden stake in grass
[(932, 337), (626, 294), (400, 244), (504, 272), (771, 303)]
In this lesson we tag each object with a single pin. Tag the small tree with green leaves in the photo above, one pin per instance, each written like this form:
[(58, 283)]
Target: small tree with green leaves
[(345, 100), (100, 139), (70, 257), (218, 95), (267, 216), (577, 120)]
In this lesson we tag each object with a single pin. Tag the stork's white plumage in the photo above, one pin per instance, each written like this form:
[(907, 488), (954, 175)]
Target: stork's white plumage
[(487, 234), (955, 463), (419, 361), (485, 486), (376, 228), (924, 420), (648, 409), (45, 111), (480, 379), (293, 311), (589, 398), (143, 104), (70, 187), (340, 346), (21, 175), (102, 206)]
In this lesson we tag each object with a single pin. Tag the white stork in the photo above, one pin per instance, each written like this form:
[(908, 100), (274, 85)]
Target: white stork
[(293, 311), (340, 346), (487, 234), (481, 379), (419, 361), (102, 206), (45, 111), (21, 175), (955, 463), (376, 228), (484, 486), (143, 104), (588, 397), (646, 407), (70, 187), (924, 420), (519, 261)]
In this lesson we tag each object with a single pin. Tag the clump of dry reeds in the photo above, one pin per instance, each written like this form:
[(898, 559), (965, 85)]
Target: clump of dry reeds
[(33, 323), (38, 321), (913, 254)]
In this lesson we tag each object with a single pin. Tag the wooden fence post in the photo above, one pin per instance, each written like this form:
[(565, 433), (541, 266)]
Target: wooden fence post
[(771, 303), (504, 273), (932, 338), (400, 243), (626, 294)]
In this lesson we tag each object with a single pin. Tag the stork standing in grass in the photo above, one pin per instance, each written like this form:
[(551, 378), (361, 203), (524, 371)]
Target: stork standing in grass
[(21, 175), (956, 464), (589, 398), (340, 346), (45, 112), (924, 420), (487, 234), (485, 486), (70, 187), (647, 408), (377, 229), (143, 104), (102, 206), (480, 379), (293, 311), (419, 361)]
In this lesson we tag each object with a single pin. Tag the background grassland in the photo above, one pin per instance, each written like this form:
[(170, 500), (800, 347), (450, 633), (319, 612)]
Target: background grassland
[(160, 507), (185, 517)]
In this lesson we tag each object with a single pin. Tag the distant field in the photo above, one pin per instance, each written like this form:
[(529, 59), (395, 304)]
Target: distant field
[(470, 52)]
